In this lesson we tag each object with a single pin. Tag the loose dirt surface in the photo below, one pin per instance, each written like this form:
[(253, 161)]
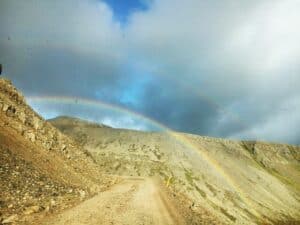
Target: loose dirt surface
[(134, 201)]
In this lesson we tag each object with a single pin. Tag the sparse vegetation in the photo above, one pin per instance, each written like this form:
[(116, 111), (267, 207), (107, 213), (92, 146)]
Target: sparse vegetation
[(149, 155), (224, 211)]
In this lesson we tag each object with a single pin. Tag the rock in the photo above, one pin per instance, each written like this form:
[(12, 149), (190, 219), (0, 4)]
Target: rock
[(63, 147), (10, 219), (22, 117), (116, 165), (29, 135), (47, 209), (35, 123), (31, 210), (47, 145), (52, 202), (10, 111), (5, 107), (82, 194)]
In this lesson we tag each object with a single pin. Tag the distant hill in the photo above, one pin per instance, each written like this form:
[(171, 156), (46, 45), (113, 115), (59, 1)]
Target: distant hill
[(70, 171), (237, 182)]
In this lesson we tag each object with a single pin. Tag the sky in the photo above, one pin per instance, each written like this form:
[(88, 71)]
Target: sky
[(216, 68)]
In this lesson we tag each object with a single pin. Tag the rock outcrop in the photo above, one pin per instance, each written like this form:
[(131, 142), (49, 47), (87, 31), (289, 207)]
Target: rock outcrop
[(28, 123)]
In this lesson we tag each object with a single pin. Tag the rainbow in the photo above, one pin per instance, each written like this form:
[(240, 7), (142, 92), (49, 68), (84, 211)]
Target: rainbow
[(176, 135), (188, 87)]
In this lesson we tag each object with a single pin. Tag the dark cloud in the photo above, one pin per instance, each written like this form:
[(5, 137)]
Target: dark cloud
[(60, 47), (63, 72), (227, 69)]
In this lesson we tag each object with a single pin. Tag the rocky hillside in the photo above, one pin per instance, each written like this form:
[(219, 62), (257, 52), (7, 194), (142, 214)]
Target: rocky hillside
[(41, 169), (237, 182)]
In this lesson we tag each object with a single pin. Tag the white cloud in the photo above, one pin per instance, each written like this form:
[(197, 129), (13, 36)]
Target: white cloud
[(85, 26), (202, 57), (281, 127), (268, 41), (243, 56), (213, 41)]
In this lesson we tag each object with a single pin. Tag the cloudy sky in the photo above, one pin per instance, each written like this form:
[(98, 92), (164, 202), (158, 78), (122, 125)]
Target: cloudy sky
[(218, 68)]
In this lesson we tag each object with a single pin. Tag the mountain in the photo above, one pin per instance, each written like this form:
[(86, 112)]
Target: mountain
[(219, 180), (49, 178), (41, 169), (68, 171)]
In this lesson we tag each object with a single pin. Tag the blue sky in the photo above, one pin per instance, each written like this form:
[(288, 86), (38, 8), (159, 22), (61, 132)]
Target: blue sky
[(122, 9), (213, 68)]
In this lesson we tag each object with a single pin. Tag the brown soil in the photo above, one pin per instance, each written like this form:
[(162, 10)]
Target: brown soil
[(134, 201)]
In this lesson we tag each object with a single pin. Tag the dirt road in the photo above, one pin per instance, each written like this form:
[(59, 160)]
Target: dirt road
[(133, 202)]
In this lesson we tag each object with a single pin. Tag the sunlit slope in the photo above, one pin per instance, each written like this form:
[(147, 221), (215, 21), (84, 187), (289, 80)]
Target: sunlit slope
[(237, 182), (41, 169)]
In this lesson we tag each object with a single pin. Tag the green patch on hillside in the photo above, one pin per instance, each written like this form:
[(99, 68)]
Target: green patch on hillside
[(190, 177), (283, 179), (260, 164)]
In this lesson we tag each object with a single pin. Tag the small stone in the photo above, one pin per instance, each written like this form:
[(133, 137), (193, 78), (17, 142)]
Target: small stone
[(31, 210), (52, 202), (47, 209), (22, 117), (116, 165), (63, 147), (82, 194), (10, 219), (5, 107), (35, 123)]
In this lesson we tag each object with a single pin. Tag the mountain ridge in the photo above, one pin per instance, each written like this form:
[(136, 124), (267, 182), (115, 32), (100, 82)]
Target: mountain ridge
[(75, 120), (48, 167), (210, 172)]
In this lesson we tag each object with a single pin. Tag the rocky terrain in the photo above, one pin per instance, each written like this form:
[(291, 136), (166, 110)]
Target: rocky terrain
[(219, 180), (70, 171), (41, 169)]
